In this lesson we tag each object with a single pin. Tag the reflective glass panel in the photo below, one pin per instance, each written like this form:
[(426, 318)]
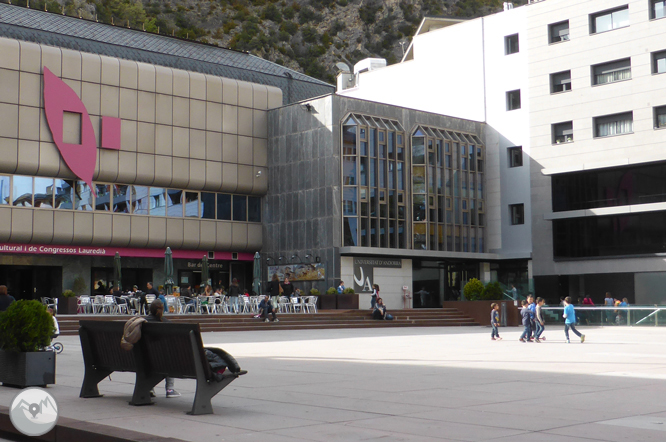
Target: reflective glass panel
[(240, 208), (83, 199), (349, 140), (121, 199), (349, 170), (418, 150), (224, 206), (349, 201), (174, 203), (140, 200), (207, 205), (420, 236), (63, 194), (419, 208), (254, 209), (44, 192), (350, 231), (419, 179), (103, 198), (22, 191), (157, 201), (4, 189), (192, 204)]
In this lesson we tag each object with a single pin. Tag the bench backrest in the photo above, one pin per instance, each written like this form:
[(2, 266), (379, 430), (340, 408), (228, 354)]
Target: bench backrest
[(167, 348), (100, 342)]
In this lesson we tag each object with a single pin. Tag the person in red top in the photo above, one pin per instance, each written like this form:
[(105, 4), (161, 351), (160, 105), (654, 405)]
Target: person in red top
[(587, 300)]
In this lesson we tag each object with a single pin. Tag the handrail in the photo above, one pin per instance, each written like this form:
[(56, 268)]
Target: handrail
[(654, 310)]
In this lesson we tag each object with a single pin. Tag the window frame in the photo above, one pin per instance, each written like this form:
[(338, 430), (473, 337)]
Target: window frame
[(508, 45), (596, 121), (610, 67), (658, 55), (554, 136), (517, 214), (658, 111), (510, 98), (593, 18), (653, 11), (511, 152), (552, 27), (552, 82)]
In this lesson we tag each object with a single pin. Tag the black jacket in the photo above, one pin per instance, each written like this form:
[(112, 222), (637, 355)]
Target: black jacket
[(274, 288)]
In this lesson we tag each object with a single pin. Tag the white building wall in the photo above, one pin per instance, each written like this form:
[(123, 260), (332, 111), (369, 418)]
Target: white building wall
[(390, 281), (585, 102)]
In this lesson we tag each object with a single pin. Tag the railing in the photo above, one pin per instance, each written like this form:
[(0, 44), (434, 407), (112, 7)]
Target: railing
[(606, 315)]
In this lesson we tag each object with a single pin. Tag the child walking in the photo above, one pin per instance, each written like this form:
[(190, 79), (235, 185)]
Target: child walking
[(570, 320), (540, 323), (494, 322), (525, 313)]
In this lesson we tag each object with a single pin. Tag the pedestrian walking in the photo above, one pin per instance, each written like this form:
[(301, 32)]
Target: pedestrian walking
[(570, 320), (525, 313), (494, 322), (539, 320)]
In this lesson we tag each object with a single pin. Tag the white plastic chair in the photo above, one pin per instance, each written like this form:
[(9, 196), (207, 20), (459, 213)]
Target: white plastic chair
[(297, 305), (173, 302), (98, 304), (284, 305), (310, 303), (83, 304)]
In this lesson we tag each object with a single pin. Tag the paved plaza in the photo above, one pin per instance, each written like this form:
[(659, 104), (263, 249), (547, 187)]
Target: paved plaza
[(408, 384)]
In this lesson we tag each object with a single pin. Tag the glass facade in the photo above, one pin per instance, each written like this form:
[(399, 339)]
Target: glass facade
[(27, 191), (442, 198), (616, 235), (609, 187)]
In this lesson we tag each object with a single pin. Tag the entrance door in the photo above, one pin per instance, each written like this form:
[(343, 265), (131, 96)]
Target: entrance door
[(32, 282)]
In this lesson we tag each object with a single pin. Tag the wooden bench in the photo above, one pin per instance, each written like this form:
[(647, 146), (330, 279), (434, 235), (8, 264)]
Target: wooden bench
[(164, 350)]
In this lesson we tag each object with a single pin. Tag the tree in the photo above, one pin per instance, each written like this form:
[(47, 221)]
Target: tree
[(473, 290)]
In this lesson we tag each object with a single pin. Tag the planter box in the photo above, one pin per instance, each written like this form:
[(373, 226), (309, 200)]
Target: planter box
[(67, 306), (347, 301), (30, 369), (327, 302)]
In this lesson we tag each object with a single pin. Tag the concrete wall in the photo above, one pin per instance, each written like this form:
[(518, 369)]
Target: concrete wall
[(180, 129)]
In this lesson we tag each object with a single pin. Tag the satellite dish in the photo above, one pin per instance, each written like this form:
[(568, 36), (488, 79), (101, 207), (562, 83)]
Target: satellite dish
[(343, 67)]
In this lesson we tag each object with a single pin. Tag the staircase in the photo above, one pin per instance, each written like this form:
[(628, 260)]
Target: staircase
[(324, 319)]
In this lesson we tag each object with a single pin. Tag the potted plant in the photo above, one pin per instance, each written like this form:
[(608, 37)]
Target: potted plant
[(348, 300), (67, 304), (328, 301), (26, 329)]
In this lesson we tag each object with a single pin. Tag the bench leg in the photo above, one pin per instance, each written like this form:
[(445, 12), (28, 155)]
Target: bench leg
[(205, 392), (142, 388), (91, 378)]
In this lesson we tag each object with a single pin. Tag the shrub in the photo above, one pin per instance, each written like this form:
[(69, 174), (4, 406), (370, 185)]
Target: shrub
[(348, 291), (314, 292), (473, 289), (331, 291), (492, 291), (68, 294), (79, 286), (25, 326)]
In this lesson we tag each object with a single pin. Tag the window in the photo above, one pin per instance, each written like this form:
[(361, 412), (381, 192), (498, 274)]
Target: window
[(517, 213), (609, 20), (558, 32), (207, 206), (223, 206), (239, 208), (513, 100), (511, 44), (560, 82), (515, 156), (616, 124), (657, 9), (659, 62), (563, 132), (611, 72), (254, 209), (660, 117)]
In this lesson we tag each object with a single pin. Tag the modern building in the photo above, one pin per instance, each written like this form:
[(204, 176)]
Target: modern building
[(574, 99), (117, 140)]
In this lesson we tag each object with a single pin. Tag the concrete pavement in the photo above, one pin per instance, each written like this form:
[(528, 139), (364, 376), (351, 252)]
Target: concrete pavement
[(408, 384)]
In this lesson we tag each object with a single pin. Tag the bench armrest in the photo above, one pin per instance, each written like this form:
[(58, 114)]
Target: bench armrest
[(231, 362)]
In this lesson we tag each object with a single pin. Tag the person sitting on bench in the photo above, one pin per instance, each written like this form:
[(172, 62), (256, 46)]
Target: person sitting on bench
[(156, 312), (380, 311), (265, 307)]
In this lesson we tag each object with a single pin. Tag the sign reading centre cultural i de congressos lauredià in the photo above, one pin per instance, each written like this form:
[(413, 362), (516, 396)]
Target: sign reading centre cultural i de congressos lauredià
[(49, 249), (364, 271)]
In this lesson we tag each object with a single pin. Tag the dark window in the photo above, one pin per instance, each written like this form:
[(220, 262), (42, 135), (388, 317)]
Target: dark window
[(254, 209), (207, 205), (240, 209), (515, 156), (224, 206), (609, 187), (611, 72), (517, 212), (513, 100), (617, 124), (659, 62), (350, 231), (560, 82), (558, 32), (563, 132), (511, 44), (609, 20), (660, 117), (657, 9), (615, 235)]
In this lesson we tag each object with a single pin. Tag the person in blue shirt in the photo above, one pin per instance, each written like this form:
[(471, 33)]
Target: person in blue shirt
[(341, 287), (570, 320), (532, 306), (525, 313), (494, 322)]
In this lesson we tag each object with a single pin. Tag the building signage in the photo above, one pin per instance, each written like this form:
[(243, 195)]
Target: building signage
[(43, 249), (364, 271), (211, 265), (81, 158), (299, 272)]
